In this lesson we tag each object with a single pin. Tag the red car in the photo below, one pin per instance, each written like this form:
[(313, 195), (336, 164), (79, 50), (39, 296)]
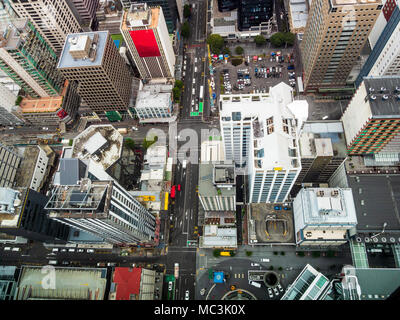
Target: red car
[(179, 187), (172, 192)]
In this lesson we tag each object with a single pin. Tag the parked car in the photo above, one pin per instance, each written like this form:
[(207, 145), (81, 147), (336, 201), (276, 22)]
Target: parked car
[(81, 250), (276, 291), (255, 264), (90, 251), (7, 248), (187, 295), (65, 263), (71, 250), (63, 250), (179, 187), (111, 264), (280, 287), (270, 293), (264, 260), (16, 249), (170, 286), (255, 284), (55, 250)]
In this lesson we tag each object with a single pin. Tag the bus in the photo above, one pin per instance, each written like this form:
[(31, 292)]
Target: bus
[(225, 253), (201, 93), (166, 201), (300, 84), (176, 270), (173, 191)]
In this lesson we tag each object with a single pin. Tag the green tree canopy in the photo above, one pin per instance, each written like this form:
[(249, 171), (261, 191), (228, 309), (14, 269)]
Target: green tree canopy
[(237, 62), (186, 11), (176, 92), (280, 38), (239, 50), (179, 84), (216, 43), (226, 51), (185, 30), (259, 40)]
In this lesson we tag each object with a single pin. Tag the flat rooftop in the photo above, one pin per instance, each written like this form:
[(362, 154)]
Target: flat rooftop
[(381, 107), (105, 154), (207, 188), (134, 18), (377, 200), (70, 284), (353, 2), (9, 218), (67, 61)]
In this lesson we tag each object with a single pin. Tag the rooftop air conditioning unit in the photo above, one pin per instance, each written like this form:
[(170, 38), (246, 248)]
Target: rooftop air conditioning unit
[(373, 97), (383, 89), (366, 239), (358, 239), (397, 89), (385, 97), (370, 90)]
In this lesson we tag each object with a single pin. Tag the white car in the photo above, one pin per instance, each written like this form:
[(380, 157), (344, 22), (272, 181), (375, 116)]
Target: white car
[(111, 264), (63, 250), (71, 250), (270, 293), (276, 291), (135, 129), (45, 128), (187, 295), (55, 249), (170, 286), (90, 251), (16, 249), (7, 249), (280, 287), (81, 250), (10, 128), (255, 264)]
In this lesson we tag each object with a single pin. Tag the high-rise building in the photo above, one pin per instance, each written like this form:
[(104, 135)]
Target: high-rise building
[(53, 19), (322, 149), (22, 214), (372, 119), (260, 132), (384, 60), (323, 216), (26, 57), (8, 110), (253, 13), (9, 164), (104, 209), (217, 186), (62, 108), (154, 103), (7, 13), (169, 8), (335, 35), (146, 35), (92, 59), (86, 9), (227, 5)]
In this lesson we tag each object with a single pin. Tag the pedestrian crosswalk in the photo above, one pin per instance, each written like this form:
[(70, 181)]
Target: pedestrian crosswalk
[(239, 275)]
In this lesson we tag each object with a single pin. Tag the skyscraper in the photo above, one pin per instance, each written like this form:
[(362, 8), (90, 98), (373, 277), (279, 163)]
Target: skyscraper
[(86, 9), (384, 60), (147, 39), (261, 133), (253, 13), (169, 8), (92, 59), (53, 19), (28, 59), (104, 209), (335, 34)]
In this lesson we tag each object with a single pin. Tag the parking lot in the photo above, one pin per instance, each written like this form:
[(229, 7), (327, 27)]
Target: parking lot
[(257, 73)]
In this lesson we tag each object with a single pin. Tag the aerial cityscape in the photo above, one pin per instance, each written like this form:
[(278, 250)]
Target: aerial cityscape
[(202, 150)]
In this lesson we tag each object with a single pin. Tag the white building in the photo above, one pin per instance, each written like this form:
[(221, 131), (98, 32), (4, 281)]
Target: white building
[(212, 150), (8, 109), (322, 216), (260, 132), (146, 34), (218, 237), (154, 103)]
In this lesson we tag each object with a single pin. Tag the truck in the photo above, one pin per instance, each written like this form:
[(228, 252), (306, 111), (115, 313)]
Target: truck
[(123, 130), (53, 262), (255, 284), (201, 92), (176, 270)]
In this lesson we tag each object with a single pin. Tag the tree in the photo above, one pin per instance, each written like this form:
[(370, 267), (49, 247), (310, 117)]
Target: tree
[(216, 43), (289, 38), (282, 253), (330, 254), (226, 51), (271, 268), (300, 254), (18, 101), (232, 253), (217, 253), (259, 40), (277, 39), (239, 50), (179, 84), (280, 268), (237, 61), (316, 254), (186, 11), (148, 143), (249, 253), (176, 92), (185, 30), (275, 253), (130, 144)]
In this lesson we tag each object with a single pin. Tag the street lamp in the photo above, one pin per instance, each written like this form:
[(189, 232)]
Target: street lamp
[(383, 230)]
